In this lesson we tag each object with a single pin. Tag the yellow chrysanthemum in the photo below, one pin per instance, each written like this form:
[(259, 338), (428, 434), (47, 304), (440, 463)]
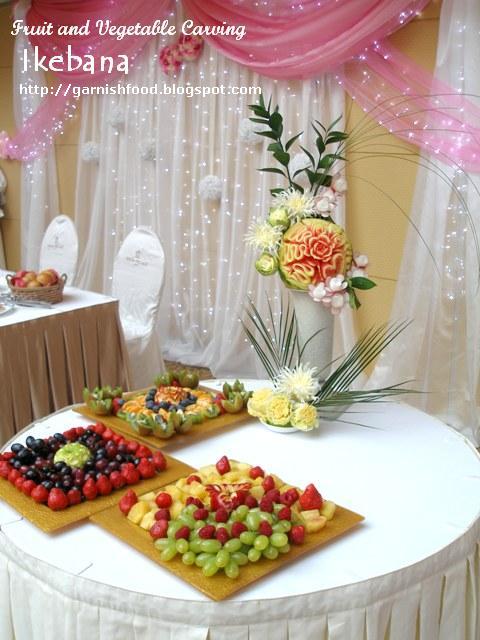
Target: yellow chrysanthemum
[(304, 417), (257, 404), (279, 410), (261, 235), (298, 205)]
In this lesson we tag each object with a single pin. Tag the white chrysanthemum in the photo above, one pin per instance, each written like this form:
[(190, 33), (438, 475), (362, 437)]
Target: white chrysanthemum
[(148, 149), (261, 235), (210, 188), (300, 384), (248, 131), (298, 205), (116, 118), (90, 151)]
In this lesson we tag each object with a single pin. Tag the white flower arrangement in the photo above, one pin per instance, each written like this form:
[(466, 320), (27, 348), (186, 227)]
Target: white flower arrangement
[(297, 205), (90, 152), (210, 188), (247, 131), (116, 118), (148, 150), (263, 236), (300, 384)]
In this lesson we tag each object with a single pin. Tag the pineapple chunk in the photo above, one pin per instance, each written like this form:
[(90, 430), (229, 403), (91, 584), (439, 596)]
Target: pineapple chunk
[(231, 476), (257, 492), (174, 492), (176, 509), (137, 512), (207, 470), (148, 520), (243, 466), (328, 509), (147, 497), (180, 484), (278, 481), (198, 490), (312, 520)]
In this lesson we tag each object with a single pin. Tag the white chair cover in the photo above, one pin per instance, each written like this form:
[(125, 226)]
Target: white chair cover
[(138, 274), (59, 248)]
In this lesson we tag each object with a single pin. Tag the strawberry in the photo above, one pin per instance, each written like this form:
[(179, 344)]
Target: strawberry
[(127, 466), (98, 428), (28, 487), (265, 528), (200, 514), (285, 513), (159, 461), (251, 502), (193, 478), (104, 486), (19, 483), (143, 452), (207, 532), (296, 534), (117, 405), (268, 483), (57, 500), (132, 446), (221, 515), (74, 497), (310, 498), (127, 501), (289, 497), (222, 535), (164, 500), (256, 472), (117, 480), (39, 494), (237, 529), (162, 514), (266, 505), (107, 434), (79, 431), (132, 476), (70, 434), (8, 455), (89, 489), (4, 469), (183, 532), (223, 465), (196, 501), (146, 468), (159, 529), (273, 495), (13, 476)]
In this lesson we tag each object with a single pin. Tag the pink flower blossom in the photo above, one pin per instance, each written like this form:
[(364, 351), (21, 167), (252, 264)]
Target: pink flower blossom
[(190, 47), (170, 59), (359, 266), (325, 202), (331, 293), (339, 184)]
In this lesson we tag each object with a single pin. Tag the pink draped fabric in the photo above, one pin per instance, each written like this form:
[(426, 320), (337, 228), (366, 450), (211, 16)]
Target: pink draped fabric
[(284, 39)]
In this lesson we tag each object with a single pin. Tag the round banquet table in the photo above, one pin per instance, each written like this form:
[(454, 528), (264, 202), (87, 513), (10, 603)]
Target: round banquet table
[(410, 571)]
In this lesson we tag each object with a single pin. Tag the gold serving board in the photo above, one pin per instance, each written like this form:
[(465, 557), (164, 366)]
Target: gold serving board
[(219, 586), (198, 432), (50, 521)]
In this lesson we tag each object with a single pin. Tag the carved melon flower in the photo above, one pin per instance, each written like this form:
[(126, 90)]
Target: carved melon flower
[(278, 410), (300, 384), (304, 417)]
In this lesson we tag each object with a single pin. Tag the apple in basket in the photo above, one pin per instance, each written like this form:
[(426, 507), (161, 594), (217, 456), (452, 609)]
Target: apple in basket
[(31, 279)]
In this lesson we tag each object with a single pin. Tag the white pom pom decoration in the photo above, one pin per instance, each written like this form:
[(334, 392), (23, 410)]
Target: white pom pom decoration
[(90, 152), (116, 118), (148, 150), (210, 188), (247, 131)]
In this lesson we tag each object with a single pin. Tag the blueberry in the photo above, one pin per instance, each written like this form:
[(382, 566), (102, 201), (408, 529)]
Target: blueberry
[(58, 484), (47, 484), (17, 464), (60, 437), (58, 466), (67, 484), (150, 404), (32, 474), (38, 445), (30, 441), (66, 471)]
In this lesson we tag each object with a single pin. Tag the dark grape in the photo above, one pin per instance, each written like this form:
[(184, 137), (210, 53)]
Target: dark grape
[(17, 447)]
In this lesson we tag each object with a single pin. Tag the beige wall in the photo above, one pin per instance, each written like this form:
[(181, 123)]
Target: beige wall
[(375, 227)]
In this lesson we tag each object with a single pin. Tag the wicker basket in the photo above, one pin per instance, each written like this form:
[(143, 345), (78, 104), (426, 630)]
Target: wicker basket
[(52, 294)]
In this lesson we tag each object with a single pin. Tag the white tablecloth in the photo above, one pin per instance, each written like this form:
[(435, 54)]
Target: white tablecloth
[(409, 572)]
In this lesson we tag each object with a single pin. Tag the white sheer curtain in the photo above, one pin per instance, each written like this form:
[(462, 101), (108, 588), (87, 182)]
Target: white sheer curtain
[(209, 270), (441, 349), (39, 194)]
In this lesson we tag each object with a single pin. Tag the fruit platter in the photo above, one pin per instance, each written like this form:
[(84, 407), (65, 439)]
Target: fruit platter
[(46, 285), (226, 525), (60, 479), (176, 406)]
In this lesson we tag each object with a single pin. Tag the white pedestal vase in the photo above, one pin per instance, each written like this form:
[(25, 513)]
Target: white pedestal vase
[(312, 316)]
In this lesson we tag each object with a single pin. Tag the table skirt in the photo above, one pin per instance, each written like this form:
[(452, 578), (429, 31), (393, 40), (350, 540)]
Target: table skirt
[(435, 599), (46, 363)]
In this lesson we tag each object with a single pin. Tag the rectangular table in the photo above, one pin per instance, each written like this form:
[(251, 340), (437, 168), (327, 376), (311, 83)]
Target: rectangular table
[(47, 356)]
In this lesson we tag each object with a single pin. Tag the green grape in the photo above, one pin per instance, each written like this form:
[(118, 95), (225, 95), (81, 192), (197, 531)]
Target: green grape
[(232, 570), (189, 509), (242, 511), (261, 543), (188, 520), (240, 558), (270, 552), (199, 524), (210, 568), (248, 537), (282, 526), (278, 506), (245, 548), (285, 549), (264, 515), (278, 540), (233, 545), (223, 558), (169, 552), (162, 543), (202, 558), (196, 545), (173, 527), (189, 558), (252, 521), (210, 546), (182, 546), (254, 555)]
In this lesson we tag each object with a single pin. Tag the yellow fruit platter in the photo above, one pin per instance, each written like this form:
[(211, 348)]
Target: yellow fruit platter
[(176, 410), (227, 525)]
